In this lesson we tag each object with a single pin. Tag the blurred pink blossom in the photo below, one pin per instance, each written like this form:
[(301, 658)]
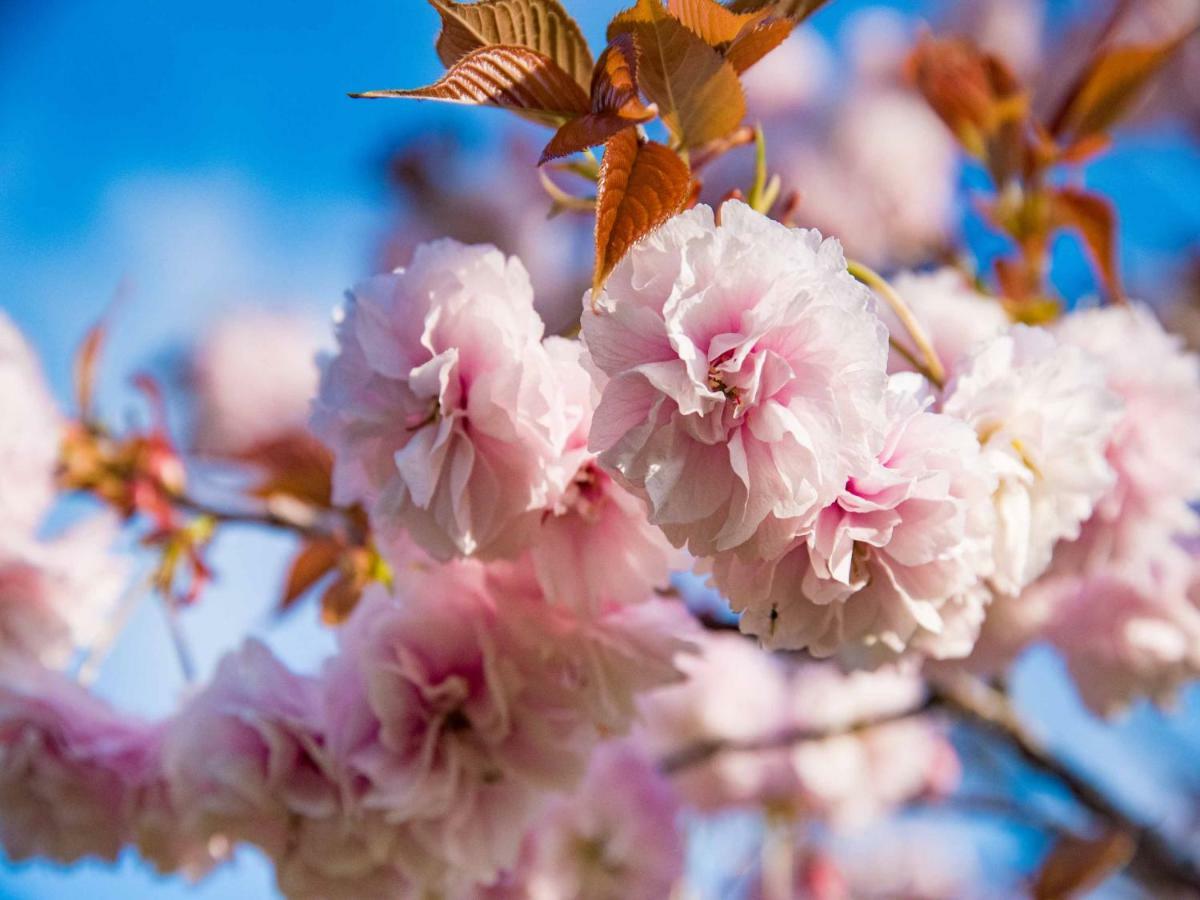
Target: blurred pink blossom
[(615, 838), (745, 373), (70, 768), (56, 595), (255, 379), (30, 436), (442, 406)]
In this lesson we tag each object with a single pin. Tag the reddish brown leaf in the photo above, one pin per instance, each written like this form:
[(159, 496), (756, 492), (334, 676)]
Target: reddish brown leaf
[(697, 92), (796, 10), (315, 560), (539, 25), (756, 42), (339, 599), (294, 465), (978, 98), (513, 78), (87, 360), (1075, 865), (641, 185), (616, 103), (1096, 221), (715, 24), (1108, 88)]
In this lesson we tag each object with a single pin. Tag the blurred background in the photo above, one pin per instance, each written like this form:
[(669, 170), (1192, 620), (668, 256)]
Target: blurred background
[(173, 165)]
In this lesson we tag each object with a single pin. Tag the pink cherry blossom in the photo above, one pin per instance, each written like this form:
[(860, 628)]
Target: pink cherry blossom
[(904, 542), (745, 371), (734, 692), (56, 595), (1126, 632), (244, 757), (442, 406), (1155, 445), (595, 546), (30, 436), (255, 378), (1044, 418), (70, 768), (615, 838), (954, 315)]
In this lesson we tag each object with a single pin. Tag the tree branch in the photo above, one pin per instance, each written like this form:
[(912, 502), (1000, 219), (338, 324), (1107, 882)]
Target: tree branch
[(1154, 862), (703, 751)]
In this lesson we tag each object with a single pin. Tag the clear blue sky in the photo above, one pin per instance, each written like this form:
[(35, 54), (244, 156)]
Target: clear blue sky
[(198, 155)]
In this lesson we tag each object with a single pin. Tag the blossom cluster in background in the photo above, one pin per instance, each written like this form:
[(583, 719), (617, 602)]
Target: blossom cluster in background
[(504, 488)]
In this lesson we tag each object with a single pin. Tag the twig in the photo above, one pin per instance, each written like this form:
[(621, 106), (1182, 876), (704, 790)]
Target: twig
[(703, 751), (94, 656), (1155, 861), (932, 367), (183, 650), (303, 520)]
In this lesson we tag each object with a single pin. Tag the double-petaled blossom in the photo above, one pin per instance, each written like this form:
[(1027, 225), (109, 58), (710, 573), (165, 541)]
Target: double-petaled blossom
[(1126, 631), (70, 769), (442, 406), (465, 699), (247, 760), (1044, 419), (895, 563), (595, 546), (744, 374), (615, 838), (1154, 446), (30, 435), (56, 595), (255, 376)]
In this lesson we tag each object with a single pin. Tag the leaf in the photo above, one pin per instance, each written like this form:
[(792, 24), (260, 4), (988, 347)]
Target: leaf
[(697, 92), (339, 599), (1094, 218), (539, 25), (293, 465), (641, 185), (87, 360), (709, 20), (795, 10), (1108, 88), (615, 104), (315, 560), (512, 78), (755, 43), (1075, 865), (978, 98)]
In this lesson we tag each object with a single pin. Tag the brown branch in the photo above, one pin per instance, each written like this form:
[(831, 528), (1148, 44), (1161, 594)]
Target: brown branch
[(703, 751), (1154, 862), (298, 518)]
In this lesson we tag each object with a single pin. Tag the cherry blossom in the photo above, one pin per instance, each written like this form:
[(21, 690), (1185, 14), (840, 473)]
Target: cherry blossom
[(745, 372)]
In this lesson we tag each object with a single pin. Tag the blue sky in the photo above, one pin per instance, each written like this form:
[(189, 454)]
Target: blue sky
[(193, 157)]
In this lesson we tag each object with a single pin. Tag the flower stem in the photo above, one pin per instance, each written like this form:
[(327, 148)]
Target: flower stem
[(931, 367)]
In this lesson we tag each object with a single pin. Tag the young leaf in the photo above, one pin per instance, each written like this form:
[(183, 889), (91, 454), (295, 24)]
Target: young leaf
[(293, 465), (315, 560), (616, 103), (1108, 87), (795, 10), (978, 98), (512, 78), (539, 25), (87, 362), (697, 92), (1075, 865), (709, 20), (641, 186), (756, 42), (1093, 217)]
